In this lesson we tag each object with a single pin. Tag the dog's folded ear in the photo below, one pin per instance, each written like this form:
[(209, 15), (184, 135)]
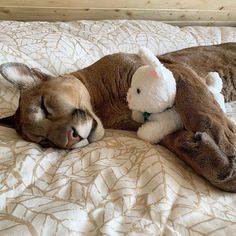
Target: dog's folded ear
[(21, 75)]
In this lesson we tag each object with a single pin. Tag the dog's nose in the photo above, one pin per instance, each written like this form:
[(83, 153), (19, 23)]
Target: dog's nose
[(72, 138), (79, 113)]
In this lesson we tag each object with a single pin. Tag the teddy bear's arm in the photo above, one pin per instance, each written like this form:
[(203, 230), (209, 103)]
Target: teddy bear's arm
[(137, 116), (165, 123)]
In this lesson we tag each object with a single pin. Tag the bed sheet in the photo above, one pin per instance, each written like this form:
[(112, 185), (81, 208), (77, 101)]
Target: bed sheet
[(119, 185)]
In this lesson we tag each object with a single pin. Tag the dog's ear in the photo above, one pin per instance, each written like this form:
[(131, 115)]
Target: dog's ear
[(21, 76)]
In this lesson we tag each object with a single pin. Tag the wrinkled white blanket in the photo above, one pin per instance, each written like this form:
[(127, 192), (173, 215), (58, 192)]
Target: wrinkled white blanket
[(119, 185)]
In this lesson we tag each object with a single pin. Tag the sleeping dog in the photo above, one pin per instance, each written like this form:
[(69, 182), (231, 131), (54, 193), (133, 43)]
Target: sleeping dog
[(65, 111)]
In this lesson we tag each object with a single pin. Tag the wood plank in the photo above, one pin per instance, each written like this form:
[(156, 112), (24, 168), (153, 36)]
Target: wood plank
[(68, 14), (202, 23), (140, 4)]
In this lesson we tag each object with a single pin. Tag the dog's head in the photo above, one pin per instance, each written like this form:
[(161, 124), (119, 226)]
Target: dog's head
[(53, 111)]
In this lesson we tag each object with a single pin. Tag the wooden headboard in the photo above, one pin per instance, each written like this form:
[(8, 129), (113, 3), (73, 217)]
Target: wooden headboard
[(181, 12)]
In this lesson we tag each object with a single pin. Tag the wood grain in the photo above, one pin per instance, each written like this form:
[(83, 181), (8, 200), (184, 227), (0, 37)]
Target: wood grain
[(140, 4), (203, 12)]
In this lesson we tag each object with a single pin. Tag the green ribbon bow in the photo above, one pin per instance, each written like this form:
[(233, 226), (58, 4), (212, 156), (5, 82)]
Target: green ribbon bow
[(146, 115)]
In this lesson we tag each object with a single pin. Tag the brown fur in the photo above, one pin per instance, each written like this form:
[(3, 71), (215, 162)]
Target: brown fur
[(220, 58), (208, 144)]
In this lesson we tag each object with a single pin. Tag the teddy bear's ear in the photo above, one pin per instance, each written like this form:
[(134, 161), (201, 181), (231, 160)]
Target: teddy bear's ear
[(154, 74), (149, 58)]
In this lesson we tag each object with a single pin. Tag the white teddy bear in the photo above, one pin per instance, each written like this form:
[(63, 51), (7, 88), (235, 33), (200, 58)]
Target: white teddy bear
[(215, 85), (151, 98)]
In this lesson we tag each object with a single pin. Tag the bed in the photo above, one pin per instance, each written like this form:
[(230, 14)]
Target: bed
[(119, 185)]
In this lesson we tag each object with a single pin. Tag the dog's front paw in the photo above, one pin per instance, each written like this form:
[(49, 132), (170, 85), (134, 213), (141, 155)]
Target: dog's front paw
[(147, 133)]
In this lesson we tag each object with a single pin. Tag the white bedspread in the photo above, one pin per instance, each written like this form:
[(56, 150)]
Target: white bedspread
[(119, 185)]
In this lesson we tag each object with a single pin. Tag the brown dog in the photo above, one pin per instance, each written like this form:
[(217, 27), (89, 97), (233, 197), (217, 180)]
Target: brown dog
[(63, 111)]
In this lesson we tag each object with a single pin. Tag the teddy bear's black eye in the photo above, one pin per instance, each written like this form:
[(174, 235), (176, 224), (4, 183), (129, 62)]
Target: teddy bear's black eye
[(138, 91)]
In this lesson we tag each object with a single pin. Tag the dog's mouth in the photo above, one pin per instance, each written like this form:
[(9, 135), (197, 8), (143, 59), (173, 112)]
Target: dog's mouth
[(72, 138), (75, 134), (94, 126), (78, 138)]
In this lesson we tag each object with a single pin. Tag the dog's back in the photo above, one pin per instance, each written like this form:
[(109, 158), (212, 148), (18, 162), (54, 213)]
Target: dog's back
[(219, 58)]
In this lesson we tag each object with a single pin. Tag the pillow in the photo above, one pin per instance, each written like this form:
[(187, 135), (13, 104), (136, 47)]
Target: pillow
[(58, 48)]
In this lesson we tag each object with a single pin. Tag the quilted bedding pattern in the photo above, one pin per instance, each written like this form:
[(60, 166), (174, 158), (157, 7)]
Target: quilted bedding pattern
[(119, 185)]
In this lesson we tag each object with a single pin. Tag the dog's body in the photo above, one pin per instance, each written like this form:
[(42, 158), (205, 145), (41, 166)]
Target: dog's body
[(209, 142), (108, 79)]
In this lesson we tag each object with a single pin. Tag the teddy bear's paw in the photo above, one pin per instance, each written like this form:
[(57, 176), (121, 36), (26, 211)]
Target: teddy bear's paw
[(214, 80), (148, 134), (137, 116)]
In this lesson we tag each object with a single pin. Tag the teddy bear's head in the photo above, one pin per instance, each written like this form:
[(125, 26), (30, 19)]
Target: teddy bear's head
[(153, 86)]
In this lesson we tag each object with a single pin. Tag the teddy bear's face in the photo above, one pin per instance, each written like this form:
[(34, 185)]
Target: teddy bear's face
[(152, 90)]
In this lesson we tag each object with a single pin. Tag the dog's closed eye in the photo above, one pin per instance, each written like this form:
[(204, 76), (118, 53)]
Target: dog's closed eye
[(43, 107)]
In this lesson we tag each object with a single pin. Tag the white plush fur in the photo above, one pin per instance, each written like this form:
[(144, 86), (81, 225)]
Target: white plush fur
[(148, 78), (153, 90), (159, 125), (215, 85)]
